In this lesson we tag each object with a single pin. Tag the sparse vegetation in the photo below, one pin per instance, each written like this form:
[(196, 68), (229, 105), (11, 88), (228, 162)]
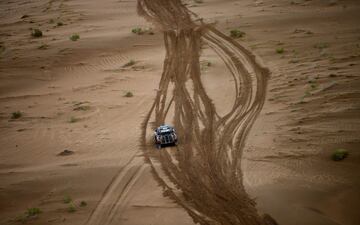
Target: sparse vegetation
[(280, 50), (16, 115), (313, 86), (74, 37), (59, 24), (43, 47), (33, 212), (236, 33), (199, 1), (83, 204), (67, 199), (29, 214), (321, 45), (73, 119), (140, 31), (339, 154), (130, 63), (71, 208), (51, 21), (36, 33), (129, 94), (82, 108), (137, 30)]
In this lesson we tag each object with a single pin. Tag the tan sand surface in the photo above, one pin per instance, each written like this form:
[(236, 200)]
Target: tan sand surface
[(71, 97)]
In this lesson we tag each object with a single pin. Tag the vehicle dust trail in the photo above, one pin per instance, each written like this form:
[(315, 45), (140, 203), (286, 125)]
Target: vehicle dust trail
[(204, 175)]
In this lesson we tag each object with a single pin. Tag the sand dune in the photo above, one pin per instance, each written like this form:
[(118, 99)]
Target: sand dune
[(70, 95)]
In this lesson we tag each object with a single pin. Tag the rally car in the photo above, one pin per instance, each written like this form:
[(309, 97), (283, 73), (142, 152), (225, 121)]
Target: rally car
[(165, 135)]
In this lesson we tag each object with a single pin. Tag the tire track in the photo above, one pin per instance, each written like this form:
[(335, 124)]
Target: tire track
[(114, 197), (204, 176)]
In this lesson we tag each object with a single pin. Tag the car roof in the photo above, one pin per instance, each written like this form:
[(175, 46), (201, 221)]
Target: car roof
[(165, 127)]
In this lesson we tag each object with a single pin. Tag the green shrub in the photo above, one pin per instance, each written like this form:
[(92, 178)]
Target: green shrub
[(16, 115), (339, 154), (71, 208), (36, 33), (33, 212), (280, 50), (67, 199), (74, 37), (236, 33), (137, 30), (129, 94)]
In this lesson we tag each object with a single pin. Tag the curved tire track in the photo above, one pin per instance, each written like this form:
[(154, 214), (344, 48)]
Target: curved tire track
[(205, 178), (114, 197)]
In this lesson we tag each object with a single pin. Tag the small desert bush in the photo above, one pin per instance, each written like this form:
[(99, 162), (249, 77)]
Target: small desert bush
[(199, 1), (36, 33), (16, 115), (130, 63), (137, 30), (129, 94), (140, 31), (73, 119), (59, 24), (280, 50), (321, 45), (74, 37), (339, 154), (33, 212), (67, 199), (71, 208), (236, 33), (30, 213), (313, 86), (83, 204)]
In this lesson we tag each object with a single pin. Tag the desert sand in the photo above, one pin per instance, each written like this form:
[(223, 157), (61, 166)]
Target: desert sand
[(258, 116)]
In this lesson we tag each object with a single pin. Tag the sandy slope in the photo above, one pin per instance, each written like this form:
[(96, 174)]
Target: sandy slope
[(312, 108)]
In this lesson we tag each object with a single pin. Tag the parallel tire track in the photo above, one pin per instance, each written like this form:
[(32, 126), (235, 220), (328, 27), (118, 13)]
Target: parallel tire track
[(204, 176), (115, 195)]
